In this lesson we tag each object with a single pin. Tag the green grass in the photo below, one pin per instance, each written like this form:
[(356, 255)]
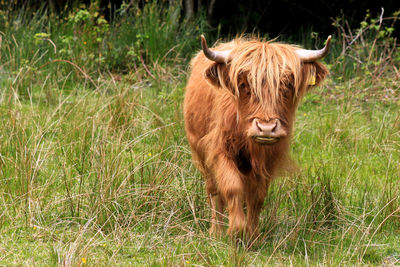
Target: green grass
[(106, 175), (95, 168)]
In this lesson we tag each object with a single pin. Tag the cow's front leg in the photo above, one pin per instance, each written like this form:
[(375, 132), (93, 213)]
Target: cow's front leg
[(231, 189), (255, 196), (217, 210)]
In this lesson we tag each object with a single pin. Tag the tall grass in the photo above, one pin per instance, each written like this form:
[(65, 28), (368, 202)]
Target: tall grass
[(81, 43), (95, 168)]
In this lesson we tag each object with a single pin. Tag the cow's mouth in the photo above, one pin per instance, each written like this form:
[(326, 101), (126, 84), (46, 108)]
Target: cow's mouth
[(265, 140)]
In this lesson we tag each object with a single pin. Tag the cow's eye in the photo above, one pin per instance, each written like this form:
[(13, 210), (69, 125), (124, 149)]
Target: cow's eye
[(244, 89), (288, 94)]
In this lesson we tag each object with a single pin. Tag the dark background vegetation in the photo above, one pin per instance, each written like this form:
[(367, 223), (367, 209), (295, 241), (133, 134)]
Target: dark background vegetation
[(274, 18), (293, 17)]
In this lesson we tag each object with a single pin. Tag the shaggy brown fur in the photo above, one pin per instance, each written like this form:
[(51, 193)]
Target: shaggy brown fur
[(263, 80)]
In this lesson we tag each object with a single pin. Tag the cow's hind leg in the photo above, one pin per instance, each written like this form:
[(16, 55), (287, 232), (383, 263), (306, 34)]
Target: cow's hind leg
[(216, 202), (217, 207)]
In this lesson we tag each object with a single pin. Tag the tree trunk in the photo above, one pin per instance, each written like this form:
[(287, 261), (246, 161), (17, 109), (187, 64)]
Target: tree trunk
[(189, 5), (210, 11)]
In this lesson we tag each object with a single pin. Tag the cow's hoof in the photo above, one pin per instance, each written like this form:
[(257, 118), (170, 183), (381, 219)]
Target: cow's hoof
[(237, 228)]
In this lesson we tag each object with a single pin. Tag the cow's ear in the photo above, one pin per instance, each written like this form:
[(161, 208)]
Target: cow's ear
[(321, 72), (314, 73), (217, 75)]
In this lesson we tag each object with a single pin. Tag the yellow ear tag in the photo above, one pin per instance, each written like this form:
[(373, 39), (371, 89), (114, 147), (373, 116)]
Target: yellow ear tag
[(312, 80)]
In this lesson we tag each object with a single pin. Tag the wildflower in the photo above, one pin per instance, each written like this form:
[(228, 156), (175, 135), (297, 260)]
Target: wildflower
[(83, 260), (149, 154), (84, 42)]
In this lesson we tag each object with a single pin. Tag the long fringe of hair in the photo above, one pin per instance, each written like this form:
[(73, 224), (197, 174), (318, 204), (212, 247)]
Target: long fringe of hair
[(266, 64)]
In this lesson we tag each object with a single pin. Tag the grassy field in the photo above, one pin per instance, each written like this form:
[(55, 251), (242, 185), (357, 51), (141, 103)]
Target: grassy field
[(95, 169)]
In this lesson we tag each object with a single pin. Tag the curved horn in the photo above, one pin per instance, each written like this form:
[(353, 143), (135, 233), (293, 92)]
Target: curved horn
[(217, 56), (313, 55)]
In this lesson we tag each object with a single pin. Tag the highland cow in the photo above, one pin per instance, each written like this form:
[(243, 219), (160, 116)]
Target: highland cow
[(239, 109)]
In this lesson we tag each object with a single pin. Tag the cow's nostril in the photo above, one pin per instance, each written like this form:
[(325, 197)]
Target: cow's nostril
[(258, 126), (276, 126)]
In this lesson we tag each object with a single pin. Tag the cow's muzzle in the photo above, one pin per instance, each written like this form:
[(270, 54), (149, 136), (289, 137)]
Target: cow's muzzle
[(267, 133)]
